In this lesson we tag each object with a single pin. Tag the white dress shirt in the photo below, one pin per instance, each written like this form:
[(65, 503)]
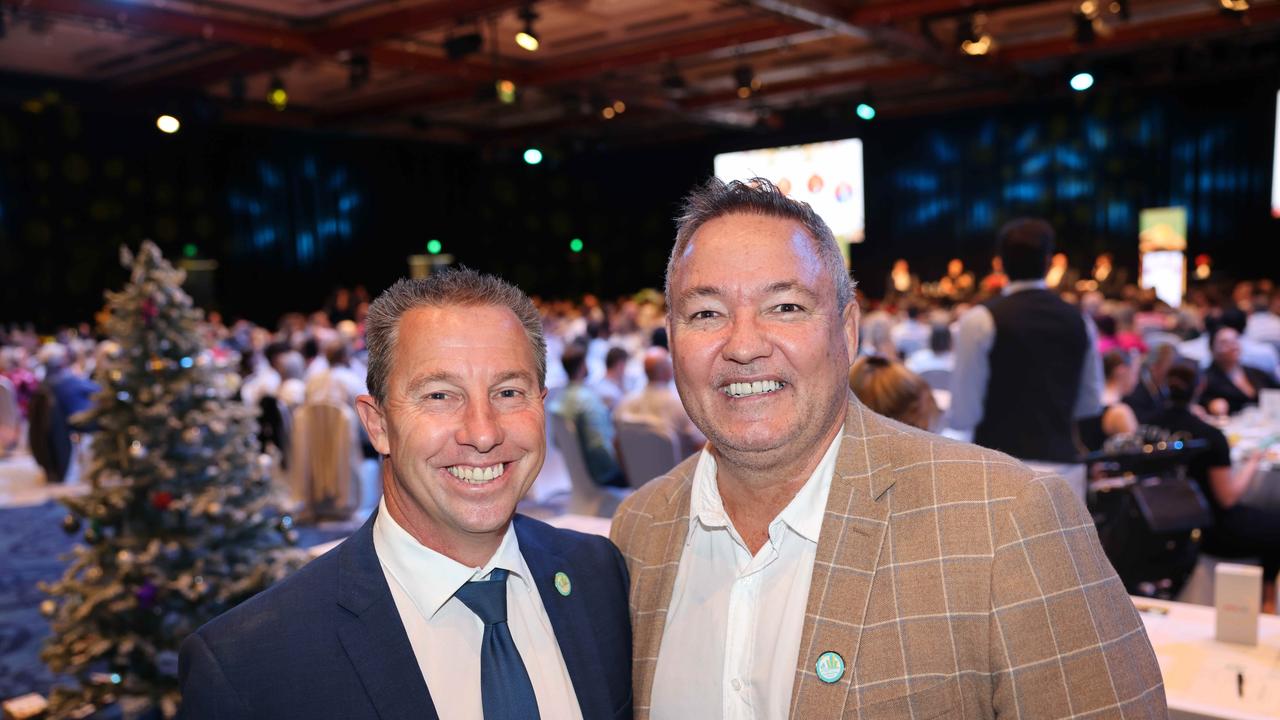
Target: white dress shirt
[(733, 628), (446, 634)]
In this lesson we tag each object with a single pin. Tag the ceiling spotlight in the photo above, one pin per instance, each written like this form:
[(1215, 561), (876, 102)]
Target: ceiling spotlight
[(608, 113), (747, 82), (972, 36), (866, 111), (527, 38), (1085, 33), (506, 90), (672, 79), (1081, 81), (168, 124), (276, 96), (358, 66), (457, 47), (1234, 7), (619, 107), (532, 156), (1120, 8)]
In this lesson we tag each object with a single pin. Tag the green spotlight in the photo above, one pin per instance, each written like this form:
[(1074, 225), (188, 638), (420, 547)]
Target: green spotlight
[(533, 156), (866, 111), (434, 246), (190, 250), (575, 245)]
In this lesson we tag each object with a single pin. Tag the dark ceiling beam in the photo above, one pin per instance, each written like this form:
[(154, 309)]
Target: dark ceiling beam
[(403, 21), (895, 72), (1130, 36), (211, 28), (584, 68)]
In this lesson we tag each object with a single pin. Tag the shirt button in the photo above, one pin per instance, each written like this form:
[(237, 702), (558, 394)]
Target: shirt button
[(737, 684)]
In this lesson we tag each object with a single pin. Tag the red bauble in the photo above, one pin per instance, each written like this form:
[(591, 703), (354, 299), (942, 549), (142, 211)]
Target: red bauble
[(162, 500)]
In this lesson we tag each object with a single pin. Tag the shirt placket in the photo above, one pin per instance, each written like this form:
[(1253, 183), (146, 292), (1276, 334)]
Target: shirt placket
[(743, 613)]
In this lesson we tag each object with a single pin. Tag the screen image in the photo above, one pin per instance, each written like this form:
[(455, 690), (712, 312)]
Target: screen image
[(1275, 173), (826, 175), (1162, 240)]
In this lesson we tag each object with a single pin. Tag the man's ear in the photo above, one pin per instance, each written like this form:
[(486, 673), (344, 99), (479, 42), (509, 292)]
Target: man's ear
[(851, 316), (375, 424)]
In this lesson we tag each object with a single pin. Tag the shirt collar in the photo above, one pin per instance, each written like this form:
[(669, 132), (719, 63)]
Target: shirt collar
[(803, 514), (431, 578), (1020, 285)]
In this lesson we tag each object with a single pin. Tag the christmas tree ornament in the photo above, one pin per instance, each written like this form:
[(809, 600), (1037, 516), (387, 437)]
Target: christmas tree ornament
[(161, 499), (48, 608), (192, 435), (137, 450), (93, 536), (146, 595), (70, 524)]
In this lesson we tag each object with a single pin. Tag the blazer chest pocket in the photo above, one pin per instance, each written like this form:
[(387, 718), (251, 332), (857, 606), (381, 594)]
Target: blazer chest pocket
[(939, 700)]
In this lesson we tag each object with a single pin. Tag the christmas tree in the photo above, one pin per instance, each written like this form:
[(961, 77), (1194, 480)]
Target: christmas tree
[(181, 522)]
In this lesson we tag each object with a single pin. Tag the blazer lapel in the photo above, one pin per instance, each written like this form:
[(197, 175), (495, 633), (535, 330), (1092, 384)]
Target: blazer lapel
[(567, 614), (374, 637), (659, 560), (853, 531)]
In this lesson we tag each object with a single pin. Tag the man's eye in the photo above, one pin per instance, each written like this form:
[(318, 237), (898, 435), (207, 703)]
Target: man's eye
[(509, 393), (436, 396), (703, 315), (789, 308)]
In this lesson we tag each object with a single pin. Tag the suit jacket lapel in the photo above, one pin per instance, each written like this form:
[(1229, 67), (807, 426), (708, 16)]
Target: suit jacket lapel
[(659, 559), (374, 637), (853, 531), (567, 614)]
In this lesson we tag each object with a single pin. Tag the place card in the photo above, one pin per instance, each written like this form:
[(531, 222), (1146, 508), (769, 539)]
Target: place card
[(1237, 593)]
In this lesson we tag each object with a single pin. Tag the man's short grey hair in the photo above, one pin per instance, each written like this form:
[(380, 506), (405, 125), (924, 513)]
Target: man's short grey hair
[(459, 287), (758, 196)]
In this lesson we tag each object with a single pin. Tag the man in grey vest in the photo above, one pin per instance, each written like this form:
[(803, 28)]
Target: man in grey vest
[(1027, 364)]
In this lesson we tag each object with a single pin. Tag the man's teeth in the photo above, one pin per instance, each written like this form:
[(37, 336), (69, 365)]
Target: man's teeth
[(751, 388), (476, 474)]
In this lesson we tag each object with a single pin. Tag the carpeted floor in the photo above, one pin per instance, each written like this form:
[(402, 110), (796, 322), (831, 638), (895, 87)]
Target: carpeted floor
[(31, 546)]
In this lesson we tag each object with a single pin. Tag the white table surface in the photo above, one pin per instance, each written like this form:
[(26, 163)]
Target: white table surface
[(1200, 672)]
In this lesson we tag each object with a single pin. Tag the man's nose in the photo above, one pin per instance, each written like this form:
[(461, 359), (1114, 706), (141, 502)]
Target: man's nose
[(747, 340), (480, 428)]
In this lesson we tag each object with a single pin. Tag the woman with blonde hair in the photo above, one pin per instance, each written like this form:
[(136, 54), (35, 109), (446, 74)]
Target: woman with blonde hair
[(889, 388)]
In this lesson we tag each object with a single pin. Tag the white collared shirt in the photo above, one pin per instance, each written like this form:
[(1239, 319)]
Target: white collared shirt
[(446, 635), (733, 629)]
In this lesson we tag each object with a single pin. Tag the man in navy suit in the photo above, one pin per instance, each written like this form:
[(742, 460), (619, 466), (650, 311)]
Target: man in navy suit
[(445, 604)]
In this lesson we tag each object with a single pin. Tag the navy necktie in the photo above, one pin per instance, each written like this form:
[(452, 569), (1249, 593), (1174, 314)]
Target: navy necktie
[(505, 690)]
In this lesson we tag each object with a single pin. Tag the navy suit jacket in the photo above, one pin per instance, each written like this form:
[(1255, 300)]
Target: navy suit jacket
[(327, 642)]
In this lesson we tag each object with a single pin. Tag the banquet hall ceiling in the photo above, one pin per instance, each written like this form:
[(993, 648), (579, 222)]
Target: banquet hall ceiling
[(665, 69)]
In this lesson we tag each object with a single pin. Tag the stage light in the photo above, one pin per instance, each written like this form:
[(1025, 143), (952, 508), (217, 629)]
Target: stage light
[(506, 91), (168, 124), (608, 113), (575, 245), (277, 96), (619, 106), (865, 111), (358, 67), (527, 38), (1121, 8), (972, 36), (746, 80), (533, 156), (434, 246), (190, 250), (1081, 81), (457, 47)]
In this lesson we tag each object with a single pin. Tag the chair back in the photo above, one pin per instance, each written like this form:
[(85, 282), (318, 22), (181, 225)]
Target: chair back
[(648, 451), (937, 379), (49, 434), (10, 417), (275, 426), (587, 498), (324, 460)]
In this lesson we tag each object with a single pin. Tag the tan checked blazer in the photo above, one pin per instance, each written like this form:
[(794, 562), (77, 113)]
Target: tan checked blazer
[(953, 580)]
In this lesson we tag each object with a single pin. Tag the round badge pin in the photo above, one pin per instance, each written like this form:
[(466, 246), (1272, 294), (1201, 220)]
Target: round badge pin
[(563, 586), (830, 667)]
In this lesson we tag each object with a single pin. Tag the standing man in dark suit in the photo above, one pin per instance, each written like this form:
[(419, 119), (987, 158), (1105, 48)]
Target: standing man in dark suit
[(1027, 363), (445, 604)]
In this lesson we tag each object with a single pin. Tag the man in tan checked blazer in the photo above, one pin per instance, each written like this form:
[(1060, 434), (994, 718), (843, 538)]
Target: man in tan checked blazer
[(817, 560)]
